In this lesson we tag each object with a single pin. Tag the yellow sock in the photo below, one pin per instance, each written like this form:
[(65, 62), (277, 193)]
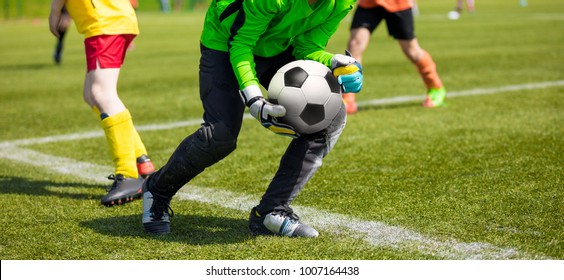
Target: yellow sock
[(119, 132), (96, 111), (139, 146)]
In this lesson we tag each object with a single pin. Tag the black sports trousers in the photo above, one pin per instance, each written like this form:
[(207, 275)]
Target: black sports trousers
[(217, 137)]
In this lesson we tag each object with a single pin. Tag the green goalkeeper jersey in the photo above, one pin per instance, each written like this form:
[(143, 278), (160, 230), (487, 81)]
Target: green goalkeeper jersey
[(267, 28)]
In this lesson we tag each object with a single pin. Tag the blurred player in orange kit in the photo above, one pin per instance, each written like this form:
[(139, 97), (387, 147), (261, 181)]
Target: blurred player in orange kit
[(455, 14), (469, 6), (109, 26), (398, 15)]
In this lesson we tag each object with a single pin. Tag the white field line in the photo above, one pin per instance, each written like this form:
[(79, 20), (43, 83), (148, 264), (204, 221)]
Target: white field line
[(373, 232), (453, 94), (376, 233), (382, 101), (99, 133)]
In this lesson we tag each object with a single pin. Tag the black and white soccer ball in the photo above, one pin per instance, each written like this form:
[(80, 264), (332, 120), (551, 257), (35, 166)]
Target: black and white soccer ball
[(309, 92)]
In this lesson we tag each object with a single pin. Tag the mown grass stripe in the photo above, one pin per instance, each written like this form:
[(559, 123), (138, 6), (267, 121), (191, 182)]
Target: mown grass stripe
[(376, 233), (382, 101)]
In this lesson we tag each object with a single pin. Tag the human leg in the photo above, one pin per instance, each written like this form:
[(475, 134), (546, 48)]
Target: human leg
[(213, 141), (119, 131), (364, 23), (145, 166), (302, 159), (357, 44), (401, 27), (100, 92), (470, 6), (459, 6), (299, 163), (423, 62), (427, 70)]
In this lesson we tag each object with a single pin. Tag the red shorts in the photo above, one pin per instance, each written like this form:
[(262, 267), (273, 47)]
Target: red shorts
[(107, 51)]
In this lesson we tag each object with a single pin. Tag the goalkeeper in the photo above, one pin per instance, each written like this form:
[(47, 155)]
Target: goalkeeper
[(243, 44)]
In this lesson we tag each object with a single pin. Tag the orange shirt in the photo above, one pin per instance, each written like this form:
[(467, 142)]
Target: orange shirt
[(390, 5)]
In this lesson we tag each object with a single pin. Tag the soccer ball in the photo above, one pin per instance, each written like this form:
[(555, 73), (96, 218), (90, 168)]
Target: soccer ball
[(309, 92), (453, 15)]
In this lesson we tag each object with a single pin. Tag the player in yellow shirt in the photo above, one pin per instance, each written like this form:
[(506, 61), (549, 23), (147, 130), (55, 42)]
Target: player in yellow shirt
[(109, 26)]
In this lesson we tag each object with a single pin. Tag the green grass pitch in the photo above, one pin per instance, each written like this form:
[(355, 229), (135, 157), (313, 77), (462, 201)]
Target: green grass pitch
[(480, 178)]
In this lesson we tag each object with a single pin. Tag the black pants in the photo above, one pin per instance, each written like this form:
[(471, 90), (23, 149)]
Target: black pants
[(400, 24), (217, 137)]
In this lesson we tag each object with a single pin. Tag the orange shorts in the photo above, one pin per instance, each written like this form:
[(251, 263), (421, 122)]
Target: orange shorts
[(107, 51)]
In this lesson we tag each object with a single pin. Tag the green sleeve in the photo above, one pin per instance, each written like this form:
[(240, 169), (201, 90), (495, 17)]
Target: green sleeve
[(254, 22), (311, 45), (250, 24)]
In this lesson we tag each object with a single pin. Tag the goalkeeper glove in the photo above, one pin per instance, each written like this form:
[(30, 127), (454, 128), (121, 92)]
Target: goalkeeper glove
[(266, 112), (348, 72)]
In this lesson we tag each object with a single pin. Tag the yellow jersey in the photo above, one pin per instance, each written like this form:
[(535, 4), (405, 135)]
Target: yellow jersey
[(103, 17)]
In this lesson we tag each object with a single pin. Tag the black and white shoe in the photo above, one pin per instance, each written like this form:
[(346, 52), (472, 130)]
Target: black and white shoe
[(279, 222), (156, 212)]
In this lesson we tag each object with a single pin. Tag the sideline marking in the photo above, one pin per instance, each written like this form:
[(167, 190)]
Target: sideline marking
[(470, 92), (376, 233), (382, 101)]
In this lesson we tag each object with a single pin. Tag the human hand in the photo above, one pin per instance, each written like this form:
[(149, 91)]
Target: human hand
[(55, 16), (348, 72), (266, 112), (54, 19)]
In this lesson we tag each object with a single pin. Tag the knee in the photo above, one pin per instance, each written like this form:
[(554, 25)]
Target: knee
[(329, 137), (338, 123), (217, 139), (411, 50), (87, 97)]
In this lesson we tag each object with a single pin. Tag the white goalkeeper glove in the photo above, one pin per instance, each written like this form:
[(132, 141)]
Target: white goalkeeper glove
[(266, 112), (348, 72)]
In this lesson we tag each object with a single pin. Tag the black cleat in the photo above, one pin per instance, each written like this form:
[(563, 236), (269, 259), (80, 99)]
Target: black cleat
[(122, 190)]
